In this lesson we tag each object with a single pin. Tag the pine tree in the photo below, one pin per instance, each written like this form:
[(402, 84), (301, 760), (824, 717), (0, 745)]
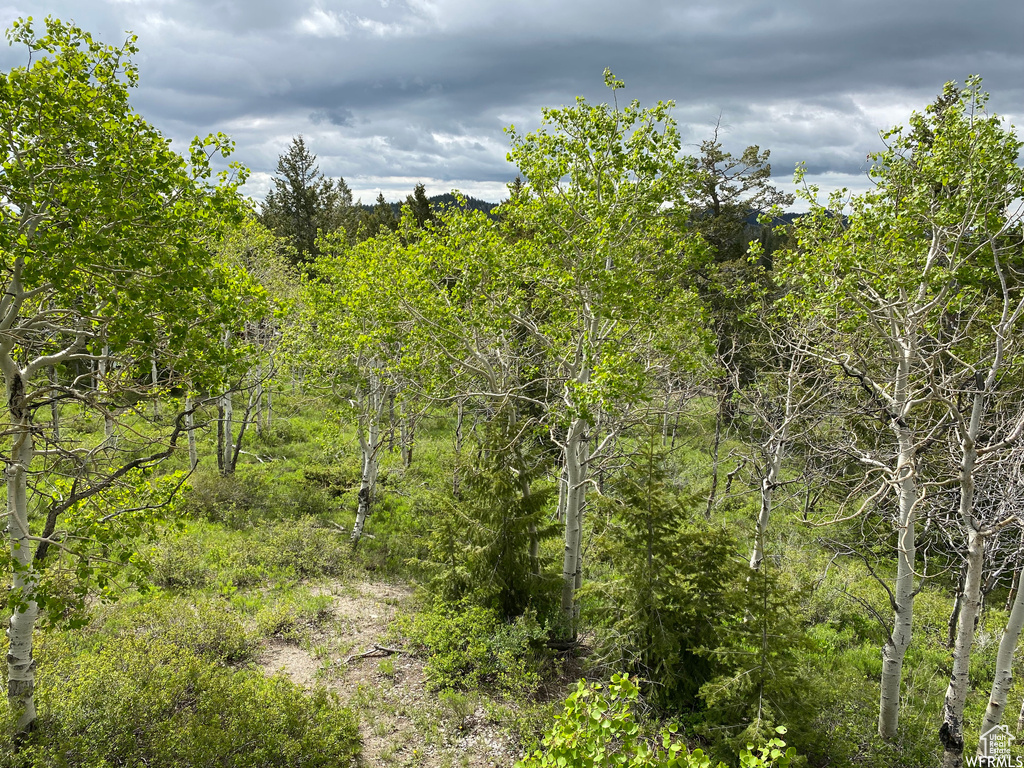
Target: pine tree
[(304, 202), (381, 216), (420, 205)]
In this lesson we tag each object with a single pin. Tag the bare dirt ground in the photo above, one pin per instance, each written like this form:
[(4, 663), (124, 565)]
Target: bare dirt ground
[(402, 723)]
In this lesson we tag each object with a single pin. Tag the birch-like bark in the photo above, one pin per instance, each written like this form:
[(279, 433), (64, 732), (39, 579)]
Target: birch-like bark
[(714, 464), (460, 413), (20, 663), (407, 429), (951, 732), (108, 417), (776, 450), (581, 509), (664, 416), (220, 435), (269, 413), (895, 647), (154, 378), (575, 474), (563, 484), (190, 428), (1004, 672), (369, 444), (258, 417), (54, 407), (227, 411)]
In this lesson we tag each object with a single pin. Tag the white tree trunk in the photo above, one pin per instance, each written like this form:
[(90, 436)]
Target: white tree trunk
[(951, 733), (776, 449), (20, 664), (155, 380), (54, 407), (108, 417), (368, 480), (563, 483), (460, 414), (227, 417), (1004, 671), (369, 445), (575, 474), (895, 647), (190, 428), (269, 413), (407, 436)]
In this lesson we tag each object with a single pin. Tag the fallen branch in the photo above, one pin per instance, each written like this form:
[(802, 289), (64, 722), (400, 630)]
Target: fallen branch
[(376, 650), (258, 458)]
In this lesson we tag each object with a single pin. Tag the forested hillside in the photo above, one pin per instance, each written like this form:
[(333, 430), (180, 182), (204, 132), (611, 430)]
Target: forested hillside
[(637, 468)]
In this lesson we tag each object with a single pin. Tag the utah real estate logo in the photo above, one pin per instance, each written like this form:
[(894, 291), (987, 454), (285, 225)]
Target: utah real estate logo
[(995, 746)]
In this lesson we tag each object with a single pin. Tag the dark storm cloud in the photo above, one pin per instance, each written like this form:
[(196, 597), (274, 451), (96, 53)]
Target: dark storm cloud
[(388, 92)]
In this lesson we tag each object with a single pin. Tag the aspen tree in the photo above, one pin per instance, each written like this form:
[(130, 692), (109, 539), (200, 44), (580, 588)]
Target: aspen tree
[(103, 246), (603, 203), (919, 286)]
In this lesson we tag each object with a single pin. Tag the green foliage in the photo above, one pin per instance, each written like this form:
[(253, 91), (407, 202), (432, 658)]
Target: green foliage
[(85, 169), (293, 614), (196, 623), (674, 584), (599, 727), (762, 679), (481, 544), (109, 529), (250, 496), (285, 550), (145, 701), (380, 218), (606, 215), (468, 646), (303, 203)]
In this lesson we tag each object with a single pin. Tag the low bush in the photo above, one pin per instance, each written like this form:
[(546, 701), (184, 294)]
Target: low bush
[(196, 623), (205, 555), (292, 615), (599, 727), (148, 702), (468, 647)]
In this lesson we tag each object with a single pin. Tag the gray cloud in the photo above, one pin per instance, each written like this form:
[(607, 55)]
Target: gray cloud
[(389, 92)]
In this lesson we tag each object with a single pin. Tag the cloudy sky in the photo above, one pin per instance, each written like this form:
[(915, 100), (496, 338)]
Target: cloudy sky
[(391, 92)]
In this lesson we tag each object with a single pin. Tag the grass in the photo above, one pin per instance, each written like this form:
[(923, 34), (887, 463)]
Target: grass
[(257, 559)]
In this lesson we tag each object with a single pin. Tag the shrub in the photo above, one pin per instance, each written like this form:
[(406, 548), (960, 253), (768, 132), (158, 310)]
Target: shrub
[(599, 727), (291, 615), (292, 549), (470, 646), (199, 624), (480, 543), (238, 501), (146, 702), (306, 548), (177, 562)]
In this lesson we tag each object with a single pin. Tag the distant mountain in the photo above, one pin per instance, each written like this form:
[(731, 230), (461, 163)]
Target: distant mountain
[(439, 201)]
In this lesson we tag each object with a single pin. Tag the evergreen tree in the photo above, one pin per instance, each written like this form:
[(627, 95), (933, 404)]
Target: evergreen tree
[(420, 205), (727, 195), (304, 202), (673, 584), (380, 217)]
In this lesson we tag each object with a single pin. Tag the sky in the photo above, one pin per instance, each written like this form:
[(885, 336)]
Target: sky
[(388, 93)]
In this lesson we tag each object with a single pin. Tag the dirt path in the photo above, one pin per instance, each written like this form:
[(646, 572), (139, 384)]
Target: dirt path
[(401, 722)]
